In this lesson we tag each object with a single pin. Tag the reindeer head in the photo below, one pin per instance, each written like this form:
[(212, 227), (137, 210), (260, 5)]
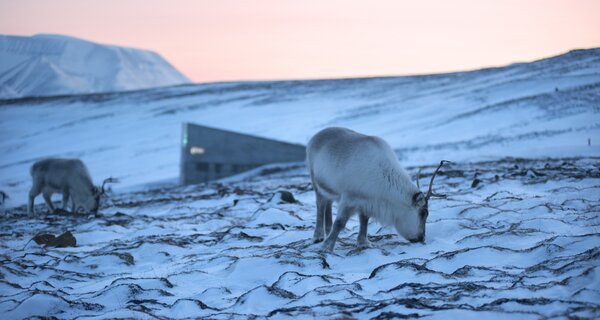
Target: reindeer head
[(414, 229), (91, 204)]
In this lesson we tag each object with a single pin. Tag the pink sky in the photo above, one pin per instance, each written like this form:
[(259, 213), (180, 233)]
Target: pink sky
[(224, 40)]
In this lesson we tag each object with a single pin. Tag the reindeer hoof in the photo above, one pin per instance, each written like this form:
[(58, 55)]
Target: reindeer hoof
[(327, 248), (318, 237), (364, 243)]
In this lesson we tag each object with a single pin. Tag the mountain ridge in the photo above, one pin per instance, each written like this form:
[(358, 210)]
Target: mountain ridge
[(50, 65)]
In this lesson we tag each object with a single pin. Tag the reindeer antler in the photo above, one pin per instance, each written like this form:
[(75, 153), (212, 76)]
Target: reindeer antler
[(430, 191), (108, 180), (418, 177)]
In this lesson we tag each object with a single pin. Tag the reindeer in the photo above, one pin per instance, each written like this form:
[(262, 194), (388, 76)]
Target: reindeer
[(3, 197), (363, 175), (71, 178)]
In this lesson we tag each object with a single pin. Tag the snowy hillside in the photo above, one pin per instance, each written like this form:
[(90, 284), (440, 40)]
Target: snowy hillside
[(49, 65), (522, 244), (544, 108)]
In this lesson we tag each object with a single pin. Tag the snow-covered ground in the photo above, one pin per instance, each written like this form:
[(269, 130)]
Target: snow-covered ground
[(50, 65), (522, 243)]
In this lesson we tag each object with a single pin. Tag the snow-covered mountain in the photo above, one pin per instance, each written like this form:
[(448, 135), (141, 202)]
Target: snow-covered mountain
[(49, 65)]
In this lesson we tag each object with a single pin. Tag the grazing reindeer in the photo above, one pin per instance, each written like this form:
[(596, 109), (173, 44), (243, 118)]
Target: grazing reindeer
[(3, 197), (362, 174), (69, 177)]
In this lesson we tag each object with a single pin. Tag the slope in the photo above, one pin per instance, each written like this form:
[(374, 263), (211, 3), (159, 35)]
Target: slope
[(547, 108)]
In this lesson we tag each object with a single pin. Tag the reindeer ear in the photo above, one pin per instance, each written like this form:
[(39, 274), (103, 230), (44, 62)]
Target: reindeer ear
[(418, 199)]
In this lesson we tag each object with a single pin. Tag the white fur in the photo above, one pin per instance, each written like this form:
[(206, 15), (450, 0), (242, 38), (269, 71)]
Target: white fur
[(69, 177), (363, 175)]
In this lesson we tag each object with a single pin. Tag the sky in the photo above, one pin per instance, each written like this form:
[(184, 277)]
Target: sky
[(230, 40)]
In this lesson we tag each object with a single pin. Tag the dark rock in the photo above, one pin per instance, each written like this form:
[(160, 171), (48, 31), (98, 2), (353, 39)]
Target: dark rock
[(245, 236), (64, 240), (287, 196), (44, 238), (476, 181)]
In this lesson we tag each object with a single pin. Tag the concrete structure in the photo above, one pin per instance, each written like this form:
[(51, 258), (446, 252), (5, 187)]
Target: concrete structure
[(209, 153)]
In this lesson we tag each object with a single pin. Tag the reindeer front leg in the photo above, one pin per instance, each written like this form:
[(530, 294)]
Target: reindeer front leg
[(30, 202), (363, 239), (48, 199), (339, 224)]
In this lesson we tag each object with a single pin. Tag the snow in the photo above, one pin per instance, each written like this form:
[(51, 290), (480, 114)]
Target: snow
[(49, 65), (523, 243), (515, 246)]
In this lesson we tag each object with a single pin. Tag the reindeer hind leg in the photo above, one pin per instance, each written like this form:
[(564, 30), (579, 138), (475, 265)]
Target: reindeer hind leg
[(65, 200), (320, 234), (344, 213), (34, 192)]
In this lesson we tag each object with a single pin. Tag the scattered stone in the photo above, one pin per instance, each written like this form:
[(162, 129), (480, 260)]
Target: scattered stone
[(44, 238), (476, 181), (64, 240), (245, 236), (283, 196), (287, 196), (242, 200)]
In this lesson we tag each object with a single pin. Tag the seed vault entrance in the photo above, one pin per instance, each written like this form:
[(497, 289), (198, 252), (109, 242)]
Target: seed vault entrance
[(208, 153)]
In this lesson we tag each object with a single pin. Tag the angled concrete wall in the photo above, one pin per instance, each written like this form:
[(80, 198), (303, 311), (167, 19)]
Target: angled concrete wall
[(209, 153)]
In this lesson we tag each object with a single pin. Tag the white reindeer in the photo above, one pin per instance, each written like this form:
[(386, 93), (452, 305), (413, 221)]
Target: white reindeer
[(362, 174), (69, 177)]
